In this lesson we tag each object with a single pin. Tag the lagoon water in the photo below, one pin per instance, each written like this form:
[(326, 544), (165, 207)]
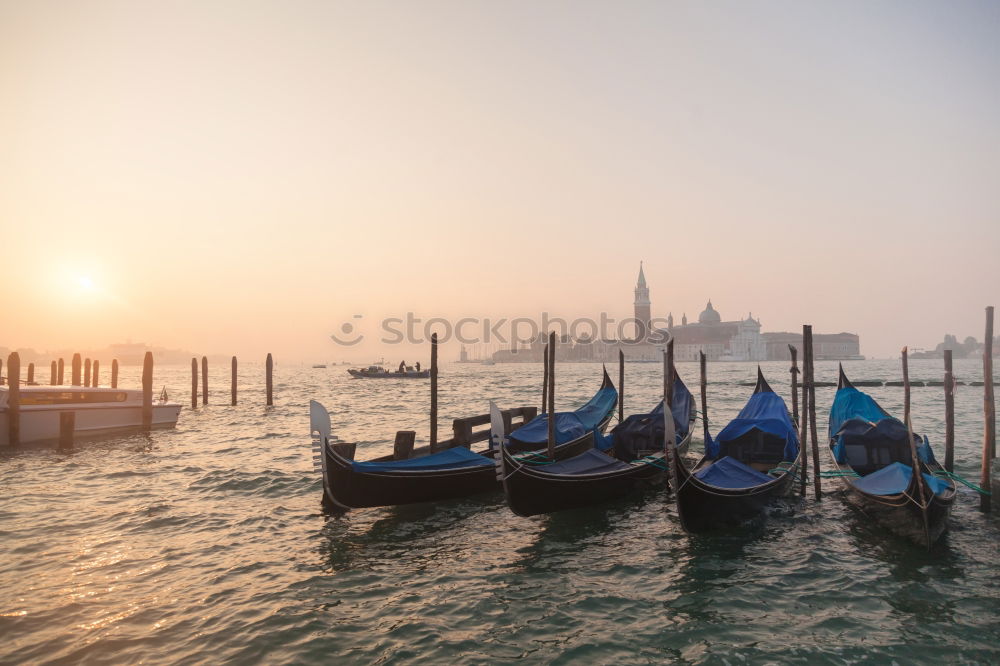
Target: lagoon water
[(207, 543)]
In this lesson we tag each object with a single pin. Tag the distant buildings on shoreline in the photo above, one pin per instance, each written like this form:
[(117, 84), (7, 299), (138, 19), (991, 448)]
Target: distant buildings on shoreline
[(736, 340)]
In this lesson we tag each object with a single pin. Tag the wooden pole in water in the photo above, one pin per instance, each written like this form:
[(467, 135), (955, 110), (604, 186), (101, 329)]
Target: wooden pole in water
[(949, 413), (795, 382), (621, 385), (1, 372), (147, 391), (62, 372), (67, 426), (918, 475), (669, 404), (804, 411), (31, 374), (86, 372), (204, 380), (989, 412), (545, 379), (53, 374), (114, 373), (194, 383), (552, 396), (704, 396), (269, 375), (233, 382), (76, 369), (93, 377), (13, 399), (812, 416), (434, 391)]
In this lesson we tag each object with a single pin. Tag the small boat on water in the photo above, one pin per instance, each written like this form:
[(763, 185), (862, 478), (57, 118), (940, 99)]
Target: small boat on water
[(632, 454), (98, 410), (319, 365), (875, 464), (455, 472), (753, 460), (380, 372)]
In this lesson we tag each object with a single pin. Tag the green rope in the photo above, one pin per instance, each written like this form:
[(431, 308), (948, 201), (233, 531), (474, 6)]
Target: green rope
[(837, 473), (653, 462), (945, 474)]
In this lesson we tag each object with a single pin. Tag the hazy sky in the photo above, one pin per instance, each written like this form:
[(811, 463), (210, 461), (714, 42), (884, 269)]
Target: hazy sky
[(242, 177)]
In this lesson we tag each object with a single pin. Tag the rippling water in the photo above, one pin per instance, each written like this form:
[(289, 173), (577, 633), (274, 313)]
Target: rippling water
[(207, 543)]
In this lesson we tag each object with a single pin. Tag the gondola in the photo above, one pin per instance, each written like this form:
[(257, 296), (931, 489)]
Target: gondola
[(753, 460), (454, 472), (875, 464), (631, 454)]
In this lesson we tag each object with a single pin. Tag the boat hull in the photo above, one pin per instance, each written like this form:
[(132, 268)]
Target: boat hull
[(531, 491), (900, 514), (41, 423), (348, 488), (703, 507)]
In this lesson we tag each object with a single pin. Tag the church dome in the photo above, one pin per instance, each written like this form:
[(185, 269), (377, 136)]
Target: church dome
[(709, 316)]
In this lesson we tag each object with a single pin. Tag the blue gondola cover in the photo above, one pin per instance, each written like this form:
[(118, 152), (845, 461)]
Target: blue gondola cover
[(730, 473), (569, 425), (454, 458), (894, 479), (856, 415), (588, 462), (766, 412), (640, 432)]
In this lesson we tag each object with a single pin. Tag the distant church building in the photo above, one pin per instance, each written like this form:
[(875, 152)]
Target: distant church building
[(643, 314), (719, 340)]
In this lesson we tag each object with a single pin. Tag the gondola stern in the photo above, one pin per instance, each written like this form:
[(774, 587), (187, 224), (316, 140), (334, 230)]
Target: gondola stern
[(842, 380), (762, 385)]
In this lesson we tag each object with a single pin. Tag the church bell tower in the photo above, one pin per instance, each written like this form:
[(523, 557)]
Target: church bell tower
[(642, 310)]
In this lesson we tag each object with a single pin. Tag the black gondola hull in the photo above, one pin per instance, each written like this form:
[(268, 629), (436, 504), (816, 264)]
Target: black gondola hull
[(703, 507), (531, 491)]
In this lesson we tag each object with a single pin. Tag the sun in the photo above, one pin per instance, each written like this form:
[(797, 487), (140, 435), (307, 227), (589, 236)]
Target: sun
[(85, 283)]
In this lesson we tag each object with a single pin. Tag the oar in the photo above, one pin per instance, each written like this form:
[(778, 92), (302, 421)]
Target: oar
[(913, 449)]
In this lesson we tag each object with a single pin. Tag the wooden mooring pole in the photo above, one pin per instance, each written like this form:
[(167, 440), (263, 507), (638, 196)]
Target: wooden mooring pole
[(671, 454), (204, 380), (434, 393), (812, 415), (53, 374), (949, 413), (233, 382), (545, 379), (552, 396), (269, 375), (147, 391), (914, 458), (67, 426), (795, 382), (114, 373), (194, 383), (989, 413), (13, 399), (31, 374), (93, 377), (76, 369), (86, 372), (704, 396), (621, 385), (62, 372)]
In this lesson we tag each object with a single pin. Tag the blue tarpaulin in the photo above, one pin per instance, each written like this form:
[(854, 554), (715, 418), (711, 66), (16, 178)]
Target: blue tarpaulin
[(856, 416), (588, 462), (728, 472), (644, 432), (569, 425), (766, 412), (894, 479), (454, 458)]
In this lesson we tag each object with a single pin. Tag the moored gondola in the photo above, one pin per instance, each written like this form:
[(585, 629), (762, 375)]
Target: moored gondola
[(753, 460), (631, 454), (451, 473), (875, 465)]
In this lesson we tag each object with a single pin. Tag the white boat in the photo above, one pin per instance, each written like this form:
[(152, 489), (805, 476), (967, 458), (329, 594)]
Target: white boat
[(98, 411)]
